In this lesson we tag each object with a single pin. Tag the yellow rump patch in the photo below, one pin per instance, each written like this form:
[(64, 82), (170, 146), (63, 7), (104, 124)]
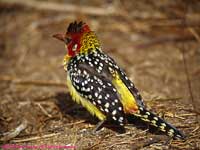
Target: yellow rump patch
[(128, 101), (84, 102)]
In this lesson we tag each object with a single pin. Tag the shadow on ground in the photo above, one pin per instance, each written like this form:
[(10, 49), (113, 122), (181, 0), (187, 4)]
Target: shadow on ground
[(69, 108)]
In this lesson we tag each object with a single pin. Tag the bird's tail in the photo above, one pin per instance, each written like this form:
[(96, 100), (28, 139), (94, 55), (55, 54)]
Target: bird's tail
[(159, 123)]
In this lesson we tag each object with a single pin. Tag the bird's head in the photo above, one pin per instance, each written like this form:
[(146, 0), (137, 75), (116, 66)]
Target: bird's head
[(78, 39)]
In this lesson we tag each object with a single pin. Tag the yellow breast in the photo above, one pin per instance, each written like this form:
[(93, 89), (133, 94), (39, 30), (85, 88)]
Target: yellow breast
[(84, 102)]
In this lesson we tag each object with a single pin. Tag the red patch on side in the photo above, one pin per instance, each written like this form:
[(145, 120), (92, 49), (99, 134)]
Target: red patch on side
[(131, 110)]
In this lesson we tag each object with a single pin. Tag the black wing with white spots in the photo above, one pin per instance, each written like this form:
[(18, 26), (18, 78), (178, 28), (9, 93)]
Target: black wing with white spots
[(96, 87), (129, 84)]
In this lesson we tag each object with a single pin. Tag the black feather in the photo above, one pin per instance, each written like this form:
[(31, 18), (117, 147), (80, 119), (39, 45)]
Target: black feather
[(75, 27)]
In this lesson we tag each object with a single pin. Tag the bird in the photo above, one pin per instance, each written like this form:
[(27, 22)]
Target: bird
[(99, 84)]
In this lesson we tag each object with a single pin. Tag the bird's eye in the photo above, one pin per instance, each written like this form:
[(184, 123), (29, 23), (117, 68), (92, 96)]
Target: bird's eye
[(67, 40), (74, 48)]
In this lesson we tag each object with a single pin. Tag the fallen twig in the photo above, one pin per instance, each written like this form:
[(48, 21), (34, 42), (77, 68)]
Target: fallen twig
[(51, 6), (43, 110), (179, 22), (188, 80), (12, 134), (180, 116), (166, 99), (165, 39), (194, 33), (197, 128), (31, 82), (192, 111), (35, 138), (49, 21)]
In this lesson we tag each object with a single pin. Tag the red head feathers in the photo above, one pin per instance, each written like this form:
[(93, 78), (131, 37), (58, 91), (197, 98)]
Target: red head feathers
[(72, 37)]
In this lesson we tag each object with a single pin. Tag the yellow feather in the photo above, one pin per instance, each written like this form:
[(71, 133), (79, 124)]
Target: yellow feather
[(84, 102), (89, 42), (127, 99)]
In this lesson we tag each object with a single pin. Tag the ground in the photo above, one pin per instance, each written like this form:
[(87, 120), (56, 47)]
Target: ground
[(157, 43)]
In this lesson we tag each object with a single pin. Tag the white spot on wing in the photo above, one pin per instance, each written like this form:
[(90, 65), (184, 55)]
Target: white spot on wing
[(107, 105), (114, 112)]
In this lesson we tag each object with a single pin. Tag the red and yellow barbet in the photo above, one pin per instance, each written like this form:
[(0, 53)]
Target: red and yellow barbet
[(97, 83)]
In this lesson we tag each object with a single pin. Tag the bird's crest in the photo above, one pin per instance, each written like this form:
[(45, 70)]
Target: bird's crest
[(75, 27)]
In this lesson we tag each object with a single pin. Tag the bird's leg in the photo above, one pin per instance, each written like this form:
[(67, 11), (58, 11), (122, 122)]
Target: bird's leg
[(167, 142), (98, 126)]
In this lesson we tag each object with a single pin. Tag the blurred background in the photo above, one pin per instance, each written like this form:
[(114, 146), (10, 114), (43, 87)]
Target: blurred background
[(156, 42)]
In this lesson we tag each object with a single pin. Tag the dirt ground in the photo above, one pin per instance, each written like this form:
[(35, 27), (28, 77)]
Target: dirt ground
[(156, 42)]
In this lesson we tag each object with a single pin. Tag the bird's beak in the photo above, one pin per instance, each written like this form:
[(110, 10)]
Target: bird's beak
[(60, 36)]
